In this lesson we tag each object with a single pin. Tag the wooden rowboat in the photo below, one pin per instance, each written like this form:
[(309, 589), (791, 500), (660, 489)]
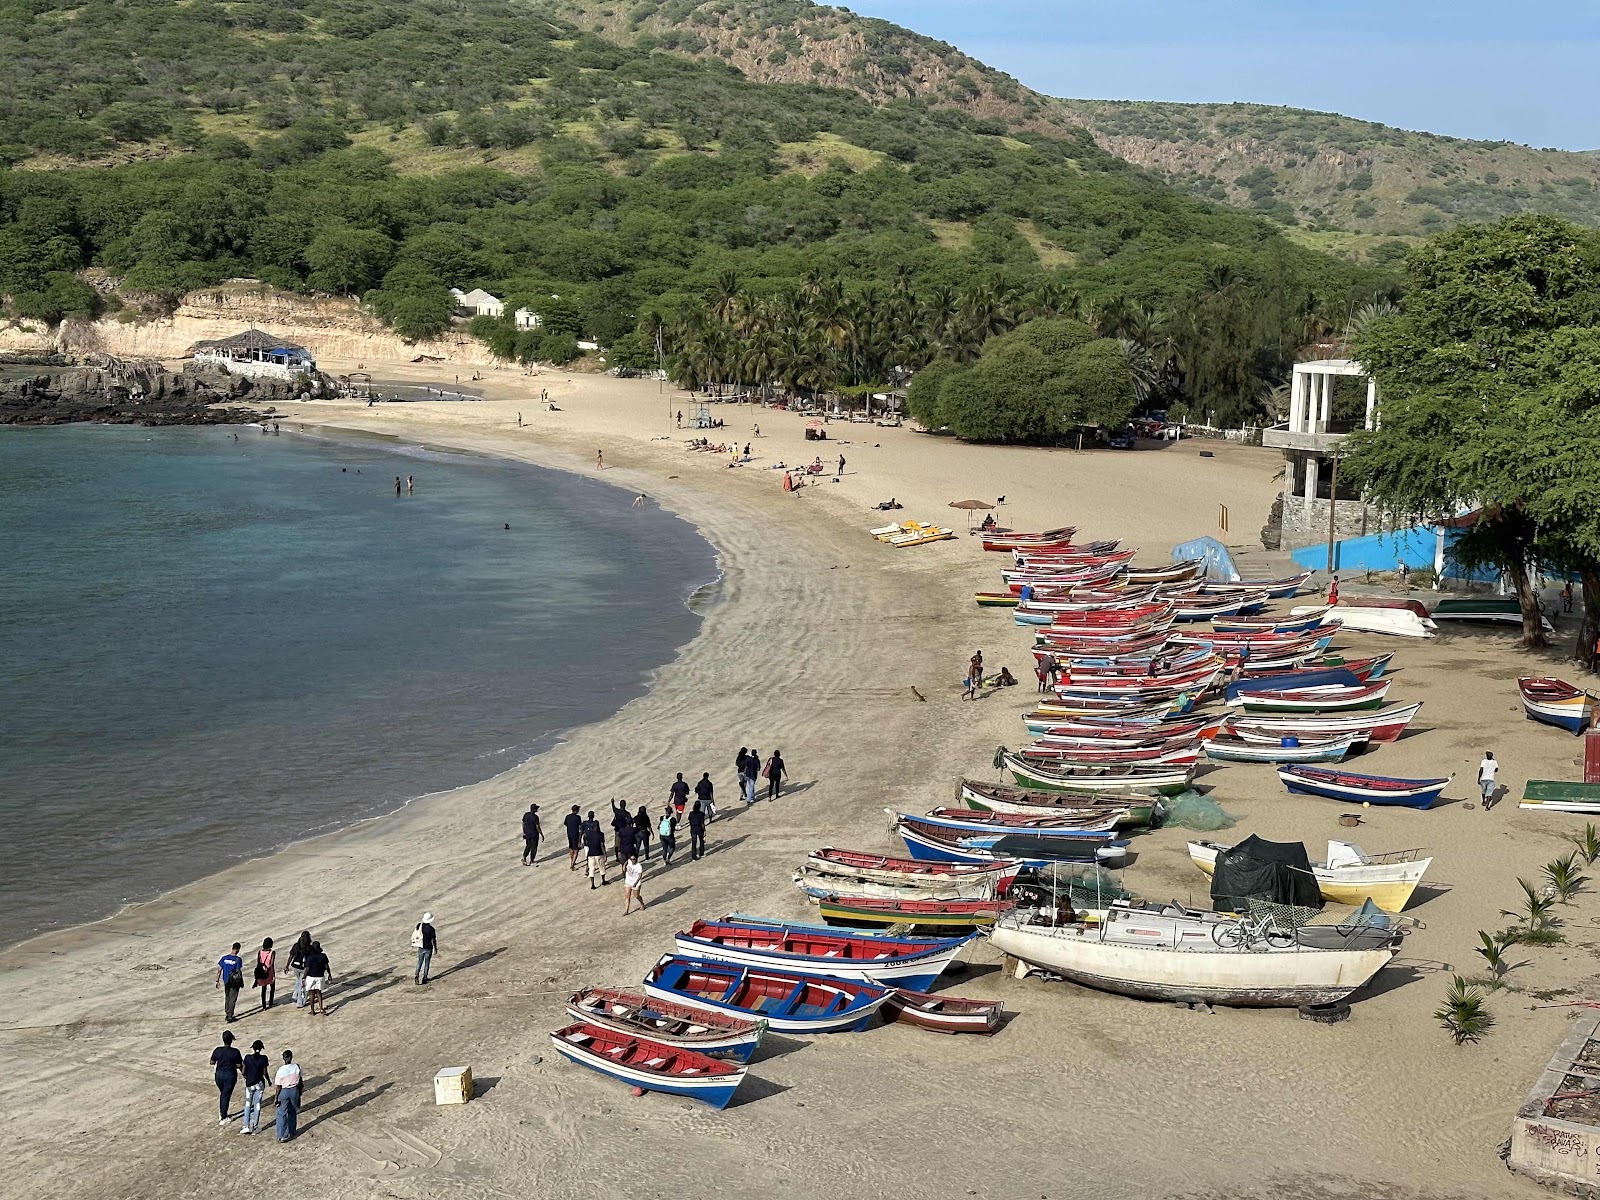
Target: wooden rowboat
[(1556, 702), (650, 1066), (1385, 725), (974, 882), (943, 1014), (788, 1002), (673, 1024), (807, 950), (937, 916), (1029, 541), (1134, 810), (1382, 790), (1331, 698)]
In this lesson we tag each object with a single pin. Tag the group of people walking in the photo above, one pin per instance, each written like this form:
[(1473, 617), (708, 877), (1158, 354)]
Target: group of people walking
[(305, 959), (748, 767), (228, 1064)]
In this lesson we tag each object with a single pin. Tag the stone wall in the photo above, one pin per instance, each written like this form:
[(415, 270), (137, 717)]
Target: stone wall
[(1559, 1153), (1303, 527)]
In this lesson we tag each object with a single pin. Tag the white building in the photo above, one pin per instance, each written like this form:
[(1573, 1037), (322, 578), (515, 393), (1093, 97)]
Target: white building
[(526, 318), (1310, 441), (256, 354), (478, 303)]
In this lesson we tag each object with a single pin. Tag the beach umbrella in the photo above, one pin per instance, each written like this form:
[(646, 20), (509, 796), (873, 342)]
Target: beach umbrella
[(971, 507)]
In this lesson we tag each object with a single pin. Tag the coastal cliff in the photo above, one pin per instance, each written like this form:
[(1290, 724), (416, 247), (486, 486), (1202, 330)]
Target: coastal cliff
[(110, 391)]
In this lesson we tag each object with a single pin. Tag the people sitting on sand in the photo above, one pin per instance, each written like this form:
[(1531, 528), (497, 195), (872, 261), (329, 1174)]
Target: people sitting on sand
[(988, 522), (1005, 678), (815, 468), (888, 505)]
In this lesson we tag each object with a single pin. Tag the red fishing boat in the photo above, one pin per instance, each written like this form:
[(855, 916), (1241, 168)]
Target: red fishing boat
[(1029, 541), (943, 1014)]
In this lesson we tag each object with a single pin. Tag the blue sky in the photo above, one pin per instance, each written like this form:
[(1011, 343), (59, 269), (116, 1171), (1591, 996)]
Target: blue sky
[(1522, 70)]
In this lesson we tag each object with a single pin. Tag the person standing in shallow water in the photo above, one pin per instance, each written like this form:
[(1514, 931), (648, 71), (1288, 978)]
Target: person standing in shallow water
[(397, 485)]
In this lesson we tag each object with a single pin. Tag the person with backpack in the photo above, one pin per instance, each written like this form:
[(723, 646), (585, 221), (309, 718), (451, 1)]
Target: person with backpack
[(668, 829), (697, 832), (230, 978), (425, 940), (774, 772), (296, 962), (266, 973)]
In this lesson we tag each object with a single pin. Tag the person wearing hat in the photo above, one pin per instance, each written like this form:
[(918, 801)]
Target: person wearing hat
[(426, 940)]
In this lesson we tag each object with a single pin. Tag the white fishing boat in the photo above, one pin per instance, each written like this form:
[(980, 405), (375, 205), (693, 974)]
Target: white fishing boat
[(1174, 953), (1349, 875), (1397, 622)]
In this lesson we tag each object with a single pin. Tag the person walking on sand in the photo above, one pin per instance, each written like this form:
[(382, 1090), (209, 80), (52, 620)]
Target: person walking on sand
[(632, 877), (704, 790), (574, 826), (697, 832), (296, 962), (230, 978), (599, 460), (256, 1066), (668, 829), (425, 938), (621, 820), (680, 794), (1333, 591), (738, 770), (594, 844), (266, 973), (641, 829), (840, 471), (531, 833), (1566, 596), (226, 1063), (519, 420), (752, 768), (1487, 770), (286, 1095), (680, 418), (774, 773), (318, 975), (627, 840)]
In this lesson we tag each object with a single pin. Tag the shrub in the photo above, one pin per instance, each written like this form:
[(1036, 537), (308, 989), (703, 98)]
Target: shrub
[(1463, 1013)]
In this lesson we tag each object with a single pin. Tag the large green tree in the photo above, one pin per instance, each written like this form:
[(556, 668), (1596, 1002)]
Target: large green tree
[(1490, 374)]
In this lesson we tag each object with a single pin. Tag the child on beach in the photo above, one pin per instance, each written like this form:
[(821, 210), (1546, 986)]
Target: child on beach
[(632, 876)]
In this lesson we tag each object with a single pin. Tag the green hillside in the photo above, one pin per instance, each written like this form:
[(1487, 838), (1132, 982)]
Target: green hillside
[(392, 151)]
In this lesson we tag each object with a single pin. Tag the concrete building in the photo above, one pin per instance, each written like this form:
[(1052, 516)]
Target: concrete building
[(478, 303), (526, 318), (256, 354), (1310, 441)]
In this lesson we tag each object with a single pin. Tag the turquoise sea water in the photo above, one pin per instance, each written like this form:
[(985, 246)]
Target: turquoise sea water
[(210, 647)]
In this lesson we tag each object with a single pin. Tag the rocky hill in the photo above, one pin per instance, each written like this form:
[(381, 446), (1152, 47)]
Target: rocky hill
[(1338, 172), (1319, 170)]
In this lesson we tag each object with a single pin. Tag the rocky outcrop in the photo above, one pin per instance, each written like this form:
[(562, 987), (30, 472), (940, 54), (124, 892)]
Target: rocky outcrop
[(333, 329), (119, 392)]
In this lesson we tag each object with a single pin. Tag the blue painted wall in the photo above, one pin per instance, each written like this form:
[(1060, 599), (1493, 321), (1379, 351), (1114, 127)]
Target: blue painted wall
[(1385, 551)]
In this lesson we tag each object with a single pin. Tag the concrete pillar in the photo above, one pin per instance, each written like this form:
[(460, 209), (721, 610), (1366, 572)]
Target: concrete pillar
[(1311, 487), (1372, 402), (1297, 401), (1325, 411)]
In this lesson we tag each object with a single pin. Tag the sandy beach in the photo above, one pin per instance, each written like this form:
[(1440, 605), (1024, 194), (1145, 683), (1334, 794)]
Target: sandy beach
[(818, 641)]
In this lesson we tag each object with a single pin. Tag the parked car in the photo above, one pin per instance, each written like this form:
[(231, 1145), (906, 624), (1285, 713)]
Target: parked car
[(1122, 439)]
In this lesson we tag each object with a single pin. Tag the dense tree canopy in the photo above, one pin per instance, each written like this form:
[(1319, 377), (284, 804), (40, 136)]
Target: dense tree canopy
[(1037, 383), (1490, 374)]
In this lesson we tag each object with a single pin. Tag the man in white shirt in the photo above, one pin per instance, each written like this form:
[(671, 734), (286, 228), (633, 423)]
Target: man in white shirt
[(1487, 770), (287, 1096)]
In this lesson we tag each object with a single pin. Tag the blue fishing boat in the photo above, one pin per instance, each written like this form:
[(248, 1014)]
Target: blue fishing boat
[(1285, 681), (788, 1002), (928, 843), (1362, 789), (649, 1066), (1269, 624), (886, 960)]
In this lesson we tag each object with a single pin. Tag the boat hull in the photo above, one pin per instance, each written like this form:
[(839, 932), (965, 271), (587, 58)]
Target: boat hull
[(812, 1005), (578, 1044), (1361, 789), (1388, 885), (668, 1023), (915, 971), (943, 1014), (1245, 979)]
